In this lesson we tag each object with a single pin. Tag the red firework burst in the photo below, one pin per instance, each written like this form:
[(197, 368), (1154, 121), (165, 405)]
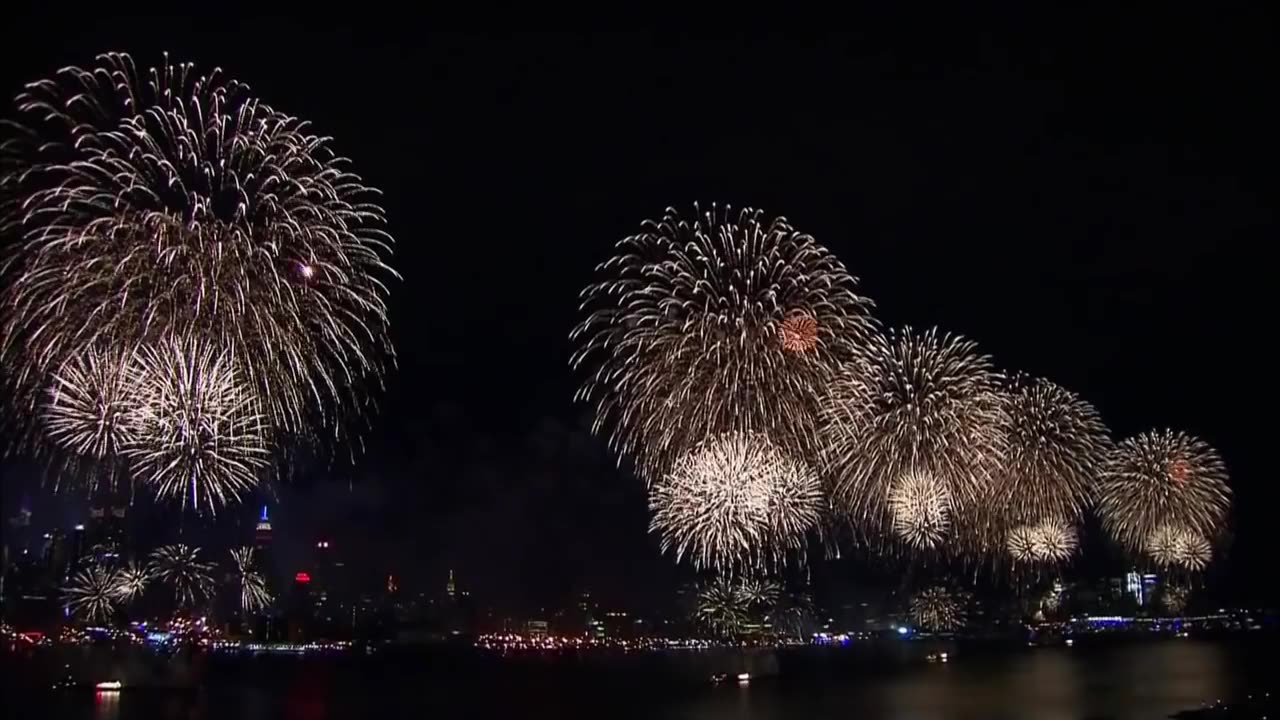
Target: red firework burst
[(799, 332)]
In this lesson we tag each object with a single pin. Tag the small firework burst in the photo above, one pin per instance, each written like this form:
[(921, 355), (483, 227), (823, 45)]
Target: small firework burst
[(722, 607), (179, 566), (198, 435), (130, 582), (920, 510), (1172, 546), (736, 500), (90, 594), (937, 609), (1046, 542), (1159, 479), (723, 322), (799, 332), (727, 605), (1054, 541), (1051, 601), (927, 406), (1021, 543), (1174, 598)]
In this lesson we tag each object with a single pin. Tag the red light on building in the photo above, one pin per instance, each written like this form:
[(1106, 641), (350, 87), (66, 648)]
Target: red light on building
[(302, 577)]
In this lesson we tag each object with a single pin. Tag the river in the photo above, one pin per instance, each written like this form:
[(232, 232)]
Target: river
[(1148, 679)]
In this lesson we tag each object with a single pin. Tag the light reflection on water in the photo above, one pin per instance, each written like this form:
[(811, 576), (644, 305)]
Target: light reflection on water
[(1151, 680), (1142, 681)]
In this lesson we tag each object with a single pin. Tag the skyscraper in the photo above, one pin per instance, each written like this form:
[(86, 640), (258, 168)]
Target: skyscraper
[(262, 533), (107, 531)]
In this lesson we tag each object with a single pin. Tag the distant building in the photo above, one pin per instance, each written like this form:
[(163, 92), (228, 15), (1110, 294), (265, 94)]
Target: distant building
[(79, 551), (536, 628), (262, 532), (107, 528)]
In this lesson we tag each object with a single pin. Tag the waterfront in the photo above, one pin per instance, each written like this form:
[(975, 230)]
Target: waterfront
[(1140, 679)]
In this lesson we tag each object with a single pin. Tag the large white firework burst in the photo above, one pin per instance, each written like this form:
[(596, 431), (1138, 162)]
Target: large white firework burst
[(179, 566), (735, 501), (1161, 479), (1177, 547), (919, 510), (196, 432), (726, 321), (90, 594), (928, 406), (1056, 447), (149, 201)]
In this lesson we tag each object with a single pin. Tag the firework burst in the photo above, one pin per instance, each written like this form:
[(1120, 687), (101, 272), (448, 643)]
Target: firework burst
[(1046, 542), (937, 609), (254, 595), (88, 402), (1021, 543), (1174, 598), (928, 408), (1159, 479), (130, 582), (90, 594), (197, 434), (1055, 541), (726, 605), (919, 510), (724, 322), (1171, 546), (735, 501), (149, 202), (1056, 447), (180, 567)]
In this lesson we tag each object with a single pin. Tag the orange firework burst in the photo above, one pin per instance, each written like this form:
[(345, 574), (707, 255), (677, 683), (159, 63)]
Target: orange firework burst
[(799, 332)]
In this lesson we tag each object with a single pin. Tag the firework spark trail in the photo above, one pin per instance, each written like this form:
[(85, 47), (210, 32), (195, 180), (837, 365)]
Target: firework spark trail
[(1056, 448), (90, 595), (180, 567), (197, 434), (1161, 479), (938, 610), (162, 201), (254, 595), (736, 501), (723, 322), (928, 406)]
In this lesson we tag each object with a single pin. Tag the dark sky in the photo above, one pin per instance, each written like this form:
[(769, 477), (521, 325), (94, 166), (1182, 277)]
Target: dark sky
[(1088, 199)]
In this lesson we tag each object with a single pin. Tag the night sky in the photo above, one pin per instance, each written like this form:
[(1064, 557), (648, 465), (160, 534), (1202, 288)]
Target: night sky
[(1089, 201)]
